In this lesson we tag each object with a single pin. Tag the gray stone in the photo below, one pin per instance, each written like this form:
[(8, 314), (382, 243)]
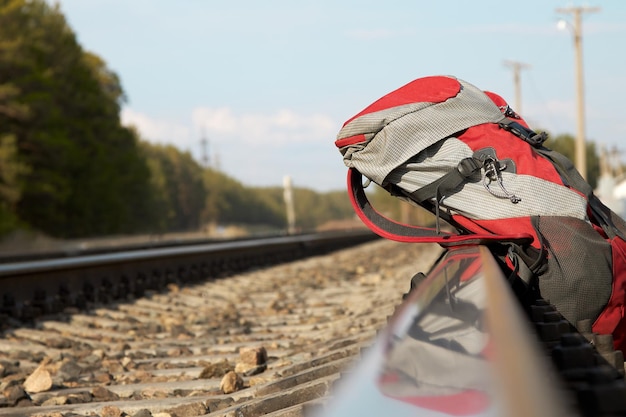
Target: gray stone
[(14, 394), (189, 410), (70, 370), (103, 394), (216, 370), (79, 398), (143, 413)]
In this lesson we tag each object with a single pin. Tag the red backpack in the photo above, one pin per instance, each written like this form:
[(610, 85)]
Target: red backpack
[(443, 144)]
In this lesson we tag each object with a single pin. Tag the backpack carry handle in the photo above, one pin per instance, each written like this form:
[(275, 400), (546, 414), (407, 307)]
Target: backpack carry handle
[(400, 232)]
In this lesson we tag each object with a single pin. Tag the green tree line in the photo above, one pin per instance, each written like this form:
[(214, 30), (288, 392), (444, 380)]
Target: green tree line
[(68, 168)]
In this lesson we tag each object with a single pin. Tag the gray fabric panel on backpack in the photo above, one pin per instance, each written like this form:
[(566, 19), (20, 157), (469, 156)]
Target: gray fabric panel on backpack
[(538, 197), (404, 131)]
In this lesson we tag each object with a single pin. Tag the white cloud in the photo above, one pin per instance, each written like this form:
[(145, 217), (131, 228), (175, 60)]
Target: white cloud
[(281, 127), (278, 128), (255, 148), (555, 116), (157, 130)]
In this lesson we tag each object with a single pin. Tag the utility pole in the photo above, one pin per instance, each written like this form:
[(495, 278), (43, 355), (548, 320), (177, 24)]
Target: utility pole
[(517, 67), (577, 32), (205, 151), (289, 204), (618, 170)]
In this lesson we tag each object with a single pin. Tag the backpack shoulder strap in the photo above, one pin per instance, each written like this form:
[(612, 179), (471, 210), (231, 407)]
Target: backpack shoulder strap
[(400, 232), (572, 178), (436, 189)]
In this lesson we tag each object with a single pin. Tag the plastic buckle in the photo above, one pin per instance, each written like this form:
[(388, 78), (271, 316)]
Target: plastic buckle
[(467, 167)]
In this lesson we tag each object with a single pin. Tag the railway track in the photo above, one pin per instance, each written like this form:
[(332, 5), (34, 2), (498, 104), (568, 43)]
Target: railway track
[(36, 286), (271, 341)]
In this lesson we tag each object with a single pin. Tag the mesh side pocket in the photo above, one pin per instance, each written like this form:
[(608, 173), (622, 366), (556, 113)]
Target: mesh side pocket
[(579, 276), (611, 321)]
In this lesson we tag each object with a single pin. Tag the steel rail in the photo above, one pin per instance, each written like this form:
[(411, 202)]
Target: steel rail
[(527, 383), (29, 289)]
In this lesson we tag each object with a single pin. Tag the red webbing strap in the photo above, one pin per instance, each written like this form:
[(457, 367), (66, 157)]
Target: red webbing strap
[(400, 232)]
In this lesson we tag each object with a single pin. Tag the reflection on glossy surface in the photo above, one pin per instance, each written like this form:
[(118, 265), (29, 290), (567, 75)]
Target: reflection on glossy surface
[(436, 352), (437, 358)]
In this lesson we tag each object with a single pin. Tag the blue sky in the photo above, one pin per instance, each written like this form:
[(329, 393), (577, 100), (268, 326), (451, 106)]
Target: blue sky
[(270, 83)]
